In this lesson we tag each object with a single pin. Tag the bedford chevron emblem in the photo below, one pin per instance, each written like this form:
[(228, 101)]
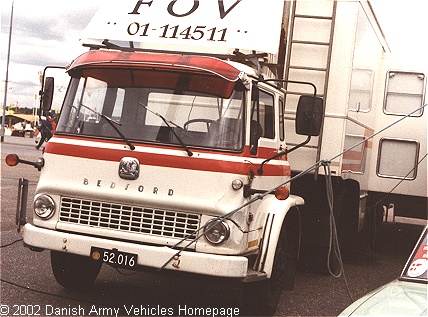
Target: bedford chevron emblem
[(129, 168)]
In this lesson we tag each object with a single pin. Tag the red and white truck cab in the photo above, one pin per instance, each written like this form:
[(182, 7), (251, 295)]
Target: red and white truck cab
[(159, 160)]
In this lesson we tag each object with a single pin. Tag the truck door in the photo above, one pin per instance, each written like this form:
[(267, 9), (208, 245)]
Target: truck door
[(266, 126)]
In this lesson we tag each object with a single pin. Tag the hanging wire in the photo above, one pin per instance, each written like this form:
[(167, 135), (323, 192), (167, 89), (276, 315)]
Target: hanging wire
[(334, 241), (270, 191)]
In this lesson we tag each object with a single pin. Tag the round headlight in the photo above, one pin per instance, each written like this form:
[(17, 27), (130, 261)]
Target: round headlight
[(44, 206), (216, 231)]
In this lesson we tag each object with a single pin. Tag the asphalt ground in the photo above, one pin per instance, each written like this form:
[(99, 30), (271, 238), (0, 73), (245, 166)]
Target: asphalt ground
[(26, 278)]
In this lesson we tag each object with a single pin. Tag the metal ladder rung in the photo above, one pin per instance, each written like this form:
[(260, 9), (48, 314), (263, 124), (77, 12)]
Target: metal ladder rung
[(310, 42), (316, 17), (319, 69), (309, 19)]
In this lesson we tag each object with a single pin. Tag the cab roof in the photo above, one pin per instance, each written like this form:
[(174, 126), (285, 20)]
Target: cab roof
[(204, 64)]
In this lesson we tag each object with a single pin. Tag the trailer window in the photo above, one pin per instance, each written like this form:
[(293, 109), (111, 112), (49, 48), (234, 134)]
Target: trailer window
[(404, 93), (360, 95), (398, 158)]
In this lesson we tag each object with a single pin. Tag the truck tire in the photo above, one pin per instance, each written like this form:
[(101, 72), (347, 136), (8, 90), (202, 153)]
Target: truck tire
[(346, 212), (316, 221), (74, 271), (262, 298)]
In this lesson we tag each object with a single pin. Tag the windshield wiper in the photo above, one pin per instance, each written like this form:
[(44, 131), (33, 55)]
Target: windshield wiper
[(184, 146), (113, 124)]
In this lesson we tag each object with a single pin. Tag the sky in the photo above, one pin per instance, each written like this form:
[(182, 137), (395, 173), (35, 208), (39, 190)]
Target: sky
[(44, 33), (47, 32)]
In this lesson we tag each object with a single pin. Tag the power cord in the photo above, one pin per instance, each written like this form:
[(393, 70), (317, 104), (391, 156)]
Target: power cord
[(334, 245), (51, 294), (334, 241), (9, 244)]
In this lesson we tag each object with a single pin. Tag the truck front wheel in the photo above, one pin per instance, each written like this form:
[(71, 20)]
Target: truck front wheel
[(74, 271), (262, 298)]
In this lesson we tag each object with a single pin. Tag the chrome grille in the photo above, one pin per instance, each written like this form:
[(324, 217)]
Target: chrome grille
[(128, 218)]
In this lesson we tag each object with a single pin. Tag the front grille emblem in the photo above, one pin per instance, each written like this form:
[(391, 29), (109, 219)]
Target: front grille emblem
[(129, 168)]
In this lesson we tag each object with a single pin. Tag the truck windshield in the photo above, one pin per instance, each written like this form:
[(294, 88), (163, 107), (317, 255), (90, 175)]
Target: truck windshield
[(167, 107)]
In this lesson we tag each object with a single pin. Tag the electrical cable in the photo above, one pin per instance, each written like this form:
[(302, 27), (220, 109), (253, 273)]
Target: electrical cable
[(270, 191), (378, 132), (334, 241), (9, 244), (225, 216), (334, 245), (52, 294)]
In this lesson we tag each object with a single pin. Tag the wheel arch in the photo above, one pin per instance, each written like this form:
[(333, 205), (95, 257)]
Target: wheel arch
[(279, 213)]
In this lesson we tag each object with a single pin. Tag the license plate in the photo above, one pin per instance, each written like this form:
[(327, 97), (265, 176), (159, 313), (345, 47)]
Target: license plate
[(115, 258)]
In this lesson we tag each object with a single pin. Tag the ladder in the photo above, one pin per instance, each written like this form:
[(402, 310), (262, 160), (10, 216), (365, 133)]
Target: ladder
[(309, 50)]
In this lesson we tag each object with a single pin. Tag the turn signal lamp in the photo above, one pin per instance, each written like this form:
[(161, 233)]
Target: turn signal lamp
[(12, 159), (282, 193)]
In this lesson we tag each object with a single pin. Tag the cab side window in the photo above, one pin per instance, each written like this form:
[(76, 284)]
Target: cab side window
[(281, 120), (262, 117)]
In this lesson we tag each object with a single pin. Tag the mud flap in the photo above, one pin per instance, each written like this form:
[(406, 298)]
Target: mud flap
[(21, 205)]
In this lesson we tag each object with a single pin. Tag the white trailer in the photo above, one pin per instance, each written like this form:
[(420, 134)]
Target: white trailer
[(341, 47), (398, 171)]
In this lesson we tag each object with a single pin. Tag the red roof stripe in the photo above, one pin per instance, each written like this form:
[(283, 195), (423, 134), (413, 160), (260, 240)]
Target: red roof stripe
[(128, 59)]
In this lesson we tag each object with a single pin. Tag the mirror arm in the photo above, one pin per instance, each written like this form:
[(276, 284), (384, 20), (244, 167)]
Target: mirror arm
[(37, 164), (260, 170), (13, 160), (300, 145)]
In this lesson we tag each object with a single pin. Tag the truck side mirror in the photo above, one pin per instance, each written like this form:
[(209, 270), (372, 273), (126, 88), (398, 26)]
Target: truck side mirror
[(309, 115), (47, 94)]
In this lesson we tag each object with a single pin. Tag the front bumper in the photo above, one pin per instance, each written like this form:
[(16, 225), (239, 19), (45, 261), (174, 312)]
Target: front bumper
[(149, 256)]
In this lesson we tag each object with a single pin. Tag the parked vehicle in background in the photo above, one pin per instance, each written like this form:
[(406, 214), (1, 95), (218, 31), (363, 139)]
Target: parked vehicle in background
[(22, 129), (405, 296)]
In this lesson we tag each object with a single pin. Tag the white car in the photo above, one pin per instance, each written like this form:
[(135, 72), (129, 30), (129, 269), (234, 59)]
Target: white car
[(405, 296)]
